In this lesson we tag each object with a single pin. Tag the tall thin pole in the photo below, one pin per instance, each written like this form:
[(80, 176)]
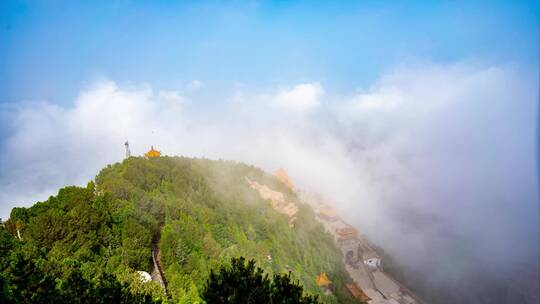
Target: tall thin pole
[(128, 152)]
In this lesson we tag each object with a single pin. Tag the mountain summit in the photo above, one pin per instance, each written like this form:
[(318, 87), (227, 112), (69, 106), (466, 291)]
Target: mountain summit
[(153, 229)]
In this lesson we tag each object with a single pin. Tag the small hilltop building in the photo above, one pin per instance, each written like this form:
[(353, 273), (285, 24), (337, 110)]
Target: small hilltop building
[(283, 177), (372, 259), (144, 276), (324, 282), (152, 153), (277, 200), (346, 235), (358, 293)]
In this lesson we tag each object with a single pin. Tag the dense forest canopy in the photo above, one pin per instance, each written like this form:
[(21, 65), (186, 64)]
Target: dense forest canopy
[(88, 243)]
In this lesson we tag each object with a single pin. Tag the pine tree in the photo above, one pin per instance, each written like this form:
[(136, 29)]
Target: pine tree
[(242, 282)]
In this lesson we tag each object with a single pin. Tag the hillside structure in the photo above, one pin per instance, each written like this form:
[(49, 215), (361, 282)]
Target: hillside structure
[(128, 151), (144, 276), (277, 200), (372, 259), (323, 280), (283, 177), (152, 153), (362, 261), (357, 292)]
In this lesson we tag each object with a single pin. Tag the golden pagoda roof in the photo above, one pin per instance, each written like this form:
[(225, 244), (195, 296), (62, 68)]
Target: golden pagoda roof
[(323, 280), (152, 153), (282, 176)]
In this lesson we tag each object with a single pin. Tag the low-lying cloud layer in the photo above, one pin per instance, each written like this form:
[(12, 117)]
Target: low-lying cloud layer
[(435, 163)]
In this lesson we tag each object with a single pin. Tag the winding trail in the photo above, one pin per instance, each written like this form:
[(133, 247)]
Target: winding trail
[(157, 272)]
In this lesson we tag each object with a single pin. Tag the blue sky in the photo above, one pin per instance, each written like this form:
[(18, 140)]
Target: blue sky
[(49, 50)]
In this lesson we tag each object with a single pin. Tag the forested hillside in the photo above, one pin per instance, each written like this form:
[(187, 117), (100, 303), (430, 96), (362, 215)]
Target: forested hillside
[(88, 243)]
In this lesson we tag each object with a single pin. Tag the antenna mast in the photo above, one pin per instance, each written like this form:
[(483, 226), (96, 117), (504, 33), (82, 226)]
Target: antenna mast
[(128, 152)]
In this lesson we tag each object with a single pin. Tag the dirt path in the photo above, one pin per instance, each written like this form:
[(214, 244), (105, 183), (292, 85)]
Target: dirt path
[(157, 272)]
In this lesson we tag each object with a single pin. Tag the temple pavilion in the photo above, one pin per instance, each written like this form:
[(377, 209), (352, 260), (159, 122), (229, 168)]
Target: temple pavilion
[(324, 282), (282, 176), (152, 153)]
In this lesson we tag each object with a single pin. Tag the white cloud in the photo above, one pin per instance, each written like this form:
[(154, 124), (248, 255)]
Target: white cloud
[(302, 97)]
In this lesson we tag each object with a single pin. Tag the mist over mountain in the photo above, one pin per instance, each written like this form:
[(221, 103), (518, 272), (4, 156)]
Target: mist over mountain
[(156, 229), (417, 121), (444, 155)]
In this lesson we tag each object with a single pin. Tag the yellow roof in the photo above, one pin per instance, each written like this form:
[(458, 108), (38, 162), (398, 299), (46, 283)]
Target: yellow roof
[(323, 280), (282, 175), (152, 153)]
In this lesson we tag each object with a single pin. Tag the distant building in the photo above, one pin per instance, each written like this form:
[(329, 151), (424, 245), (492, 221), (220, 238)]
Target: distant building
[(322, 279), (351, 253), (324, 282), (283, 177), (357, 292), (152, 153), (277, 201), (371, 259), (346, 235), (144, 276)]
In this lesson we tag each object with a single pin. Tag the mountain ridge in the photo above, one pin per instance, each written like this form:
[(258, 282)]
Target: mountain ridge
[(200, 212)]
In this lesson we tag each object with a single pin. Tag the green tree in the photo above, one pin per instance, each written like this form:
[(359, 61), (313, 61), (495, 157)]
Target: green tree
[(198, 212), (285, 290), (243, 282)]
